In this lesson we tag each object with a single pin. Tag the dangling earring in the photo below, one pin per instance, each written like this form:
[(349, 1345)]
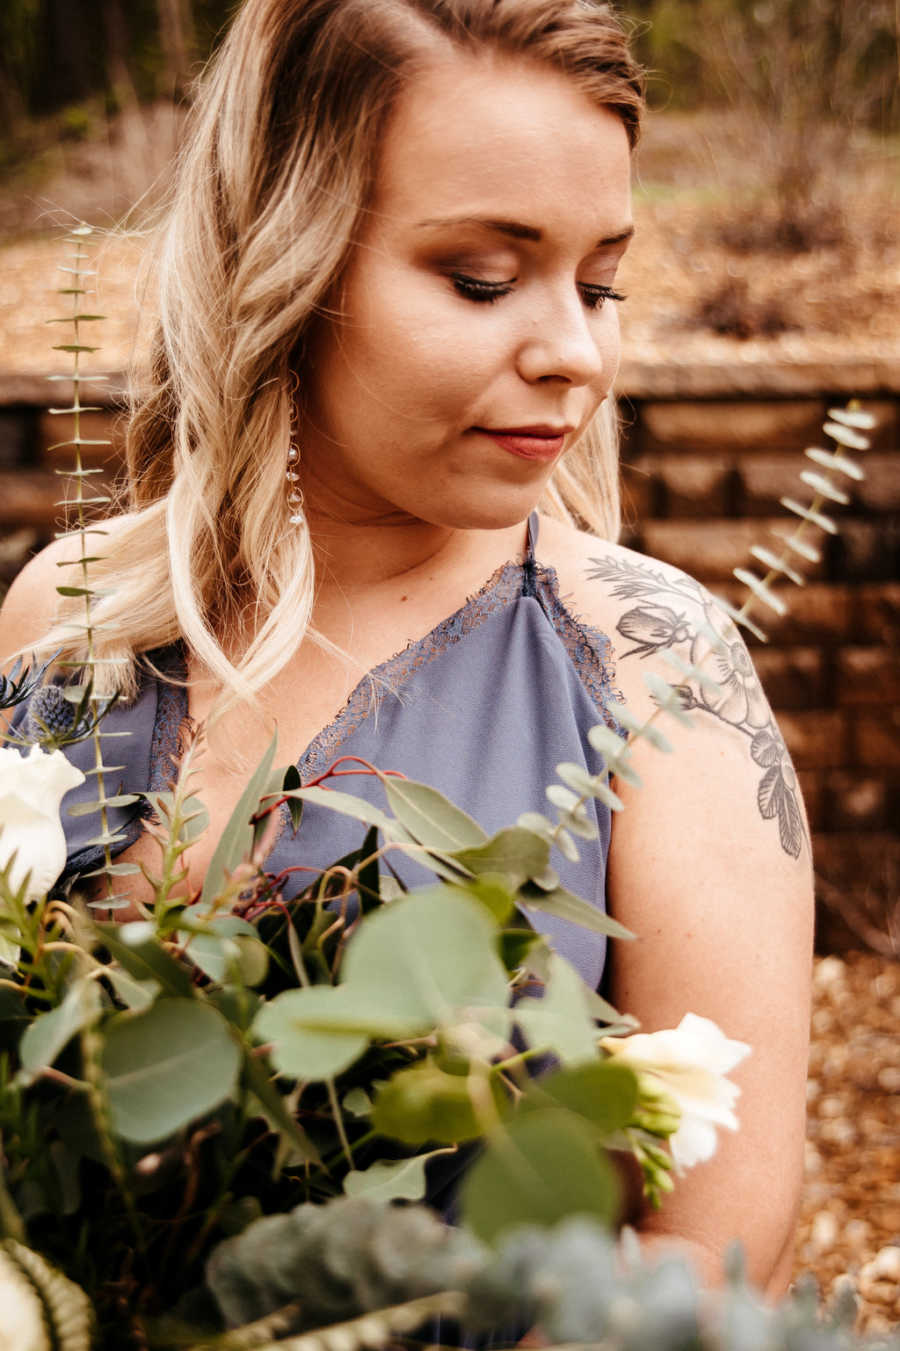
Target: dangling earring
[(292, 473)]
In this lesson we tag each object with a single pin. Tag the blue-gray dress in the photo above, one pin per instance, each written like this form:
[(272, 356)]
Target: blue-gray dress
[(483, 708)]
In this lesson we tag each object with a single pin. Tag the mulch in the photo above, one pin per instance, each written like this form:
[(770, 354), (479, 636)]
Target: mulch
[(849, 1229)]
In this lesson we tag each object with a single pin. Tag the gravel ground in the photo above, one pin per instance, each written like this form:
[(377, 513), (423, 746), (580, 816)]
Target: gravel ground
[(849, 1226)]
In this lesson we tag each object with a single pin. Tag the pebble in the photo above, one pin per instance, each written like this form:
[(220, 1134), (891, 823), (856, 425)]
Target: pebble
[(856, 1233), (829, 971), (812, 1159), (886, 1263), (851, 1175), (824, 1232), (879, 1292), (839, 1132)]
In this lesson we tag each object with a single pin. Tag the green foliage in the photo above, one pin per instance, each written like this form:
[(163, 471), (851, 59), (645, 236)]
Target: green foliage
[(842, 56), (164, 1067), (336, 1262)]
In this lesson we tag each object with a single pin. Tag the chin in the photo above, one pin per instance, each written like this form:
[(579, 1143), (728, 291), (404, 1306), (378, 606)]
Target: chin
[(485, 515)]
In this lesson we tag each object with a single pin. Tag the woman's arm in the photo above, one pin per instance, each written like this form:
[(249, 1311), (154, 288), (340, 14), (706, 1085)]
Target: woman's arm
[(710, 867), (30, 605)]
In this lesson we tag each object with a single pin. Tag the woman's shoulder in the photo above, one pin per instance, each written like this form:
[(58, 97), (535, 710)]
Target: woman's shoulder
[(607, 584), (30, 606), (660, 622)]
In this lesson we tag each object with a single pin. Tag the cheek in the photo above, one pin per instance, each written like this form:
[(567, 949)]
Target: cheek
[(609, 344)]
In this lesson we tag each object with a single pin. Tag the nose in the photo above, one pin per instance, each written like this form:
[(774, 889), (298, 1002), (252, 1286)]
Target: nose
[(570, 344)]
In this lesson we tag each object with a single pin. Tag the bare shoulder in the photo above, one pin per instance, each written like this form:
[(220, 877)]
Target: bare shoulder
[(663, 623), (603, 582), (30, 606)]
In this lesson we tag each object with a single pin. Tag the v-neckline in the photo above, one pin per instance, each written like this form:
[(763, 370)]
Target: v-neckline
[(511, 579)]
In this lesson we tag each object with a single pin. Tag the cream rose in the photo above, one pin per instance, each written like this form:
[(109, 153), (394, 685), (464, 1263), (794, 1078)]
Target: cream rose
[(687, 1064), (31, 790)]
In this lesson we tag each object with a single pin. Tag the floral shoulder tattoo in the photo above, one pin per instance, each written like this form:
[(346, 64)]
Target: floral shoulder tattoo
[(660, 619)]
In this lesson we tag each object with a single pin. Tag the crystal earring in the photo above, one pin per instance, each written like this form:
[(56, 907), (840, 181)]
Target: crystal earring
[(292, 473)]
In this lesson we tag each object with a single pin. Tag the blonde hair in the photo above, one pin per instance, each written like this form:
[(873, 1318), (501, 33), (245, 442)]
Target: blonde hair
[(269, 194)]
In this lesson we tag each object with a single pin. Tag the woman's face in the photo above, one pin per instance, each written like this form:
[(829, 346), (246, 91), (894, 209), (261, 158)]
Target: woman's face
[(477, 334)]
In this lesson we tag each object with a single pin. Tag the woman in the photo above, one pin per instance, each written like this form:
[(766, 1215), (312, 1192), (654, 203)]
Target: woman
[(388, 334)]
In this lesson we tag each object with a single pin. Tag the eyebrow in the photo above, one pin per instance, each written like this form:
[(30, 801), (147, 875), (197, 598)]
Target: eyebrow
[(517, 230)]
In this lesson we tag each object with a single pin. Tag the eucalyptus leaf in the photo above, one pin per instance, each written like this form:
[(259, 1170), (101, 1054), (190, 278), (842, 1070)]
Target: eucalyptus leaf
[(425, 957), (357, 1102), (393, 1180), (290, 781), (561, 1020), (347, 804), (601, 1009), (561, 797), (425, 1104), (432, 819), (516, 946), (225, 947), (139, 952), (576, 777), (309, 1039), (542, 1168), (567, 846), (495, 892), (535, 822), (51, 1032), (566, 905), (166, 1067), (516, 852), (237, 838), (275, 1111), (609, 743), (667, 697), (137, 994), (603, 1092), (369, 878), (236, 1003)]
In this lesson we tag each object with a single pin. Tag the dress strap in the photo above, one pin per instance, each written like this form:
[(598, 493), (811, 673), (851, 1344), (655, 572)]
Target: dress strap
[(529, 566)]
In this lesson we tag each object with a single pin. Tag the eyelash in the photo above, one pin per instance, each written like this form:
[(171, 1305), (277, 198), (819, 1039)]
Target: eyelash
[(486, 292)]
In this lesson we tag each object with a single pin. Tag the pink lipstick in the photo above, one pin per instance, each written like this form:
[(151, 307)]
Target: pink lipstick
[(529, 443)]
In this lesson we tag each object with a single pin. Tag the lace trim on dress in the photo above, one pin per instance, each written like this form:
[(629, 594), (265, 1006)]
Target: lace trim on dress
[(589, 650), (172, 717), (391, 675)]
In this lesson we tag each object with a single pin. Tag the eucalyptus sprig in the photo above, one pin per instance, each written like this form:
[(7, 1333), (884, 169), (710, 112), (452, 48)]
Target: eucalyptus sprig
[(89, 708), (846, 427)]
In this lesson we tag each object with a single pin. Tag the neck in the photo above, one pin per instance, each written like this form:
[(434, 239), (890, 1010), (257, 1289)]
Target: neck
[(375, 549)]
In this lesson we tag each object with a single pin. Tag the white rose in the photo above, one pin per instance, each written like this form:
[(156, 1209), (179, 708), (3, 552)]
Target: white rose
[(31, 790), (22, 1326), (689, 1064)]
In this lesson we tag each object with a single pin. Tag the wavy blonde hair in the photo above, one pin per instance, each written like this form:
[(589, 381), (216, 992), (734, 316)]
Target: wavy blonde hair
[(271, 185)]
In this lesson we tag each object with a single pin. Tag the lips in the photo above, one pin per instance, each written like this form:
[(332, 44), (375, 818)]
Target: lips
[(542, 442)]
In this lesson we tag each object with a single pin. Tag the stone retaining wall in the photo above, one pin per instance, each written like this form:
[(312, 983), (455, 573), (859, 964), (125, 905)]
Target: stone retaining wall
[(703, 472)]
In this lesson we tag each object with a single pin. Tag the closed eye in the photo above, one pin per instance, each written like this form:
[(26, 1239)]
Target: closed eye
[(595, 296), (473, 288), (486, 292)]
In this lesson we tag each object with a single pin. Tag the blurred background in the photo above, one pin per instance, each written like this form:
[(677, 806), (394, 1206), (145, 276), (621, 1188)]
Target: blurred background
[(763, 288)]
